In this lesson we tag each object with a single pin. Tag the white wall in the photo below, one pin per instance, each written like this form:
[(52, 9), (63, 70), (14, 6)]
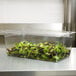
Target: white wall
[(31, 11), (40, 14)]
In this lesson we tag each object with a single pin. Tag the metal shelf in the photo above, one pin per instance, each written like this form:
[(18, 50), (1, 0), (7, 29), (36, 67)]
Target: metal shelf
[(9, 63)]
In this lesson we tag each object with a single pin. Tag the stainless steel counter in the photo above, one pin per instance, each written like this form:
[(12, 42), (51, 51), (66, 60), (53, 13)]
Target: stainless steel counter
[(9, 63)]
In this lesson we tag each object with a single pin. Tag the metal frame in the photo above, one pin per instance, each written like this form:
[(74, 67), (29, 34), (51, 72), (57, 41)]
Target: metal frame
[(73, 16), (69, 15), (66, 25), (73, 20), (70, 18)]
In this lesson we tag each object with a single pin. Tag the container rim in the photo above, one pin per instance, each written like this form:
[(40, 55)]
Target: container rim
[(37, 33)]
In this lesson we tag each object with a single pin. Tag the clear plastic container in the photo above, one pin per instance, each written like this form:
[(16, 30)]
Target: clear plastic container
[(38, 38)]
